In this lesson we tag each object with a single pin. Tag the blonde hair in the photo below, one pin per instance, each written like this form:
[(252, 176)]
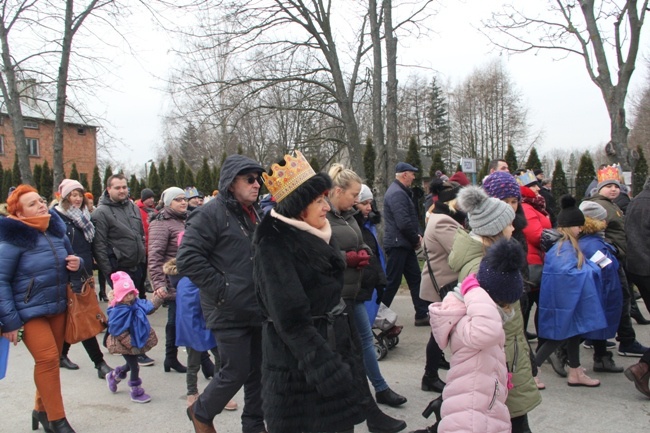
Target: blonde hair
[(568, 236), (343, 177)]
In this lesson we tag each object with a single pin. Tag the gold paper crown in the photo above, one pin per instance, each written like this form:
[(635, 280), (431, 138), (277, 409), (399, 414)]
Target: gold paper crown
[(610, 172), (287, 178), (526, 178)]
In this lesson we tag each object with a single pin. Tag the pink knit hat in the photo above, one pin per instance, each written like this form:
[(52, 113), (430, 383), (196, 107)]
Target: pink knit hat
[(122, 286), (69, 185)]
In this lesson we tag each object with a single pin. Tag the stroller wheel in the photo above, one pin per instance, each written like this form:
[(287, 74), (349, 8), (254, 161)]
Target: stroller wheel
[(391, 342), (380, 351)]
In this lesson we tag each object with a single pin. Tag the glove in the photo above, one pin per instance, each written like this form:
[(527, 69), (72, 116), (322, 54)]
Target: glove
[(364, 259), (468, 284), (352, 259)]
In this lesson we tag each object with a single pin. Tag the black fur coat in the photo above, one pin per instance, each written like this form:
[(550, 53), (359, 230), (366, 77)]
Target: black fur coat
[(308, 386)]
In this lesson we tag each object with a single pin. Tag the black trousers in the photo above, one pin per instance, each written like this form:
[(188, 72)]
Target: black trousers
[(171, 350), (92, 349), (404, 261), (625, 332), (240, 350), (642, 282), (434, 353)]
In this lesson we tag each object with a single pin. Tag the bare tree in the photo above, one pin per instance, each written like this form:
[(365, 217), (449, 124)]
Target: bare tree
[(605, 34)]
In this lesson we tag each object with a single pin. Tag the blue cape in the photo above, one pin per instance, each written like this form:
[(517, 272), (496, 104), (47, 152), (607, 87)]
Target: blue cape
[(569, 300), (132, 318), (190, 324)]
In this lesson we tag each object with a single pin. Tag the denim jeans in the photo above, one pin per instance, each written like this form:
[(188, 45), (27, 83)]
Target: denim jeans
[(368, 347)]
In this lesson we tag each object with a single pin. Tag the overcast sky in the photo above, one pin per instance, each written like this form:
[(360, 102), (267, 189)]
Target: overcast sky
[(562, 101)]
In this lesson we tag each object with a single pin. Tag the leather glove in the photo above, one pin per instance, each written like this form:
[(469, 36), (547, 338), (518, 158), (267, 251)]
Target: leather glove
[(468, 284), (352, 259), (364, 259)]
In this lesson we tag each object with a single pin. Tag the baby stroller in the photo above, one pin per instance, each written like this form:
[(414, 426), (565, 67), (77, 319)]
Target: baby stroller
[(385, 331)]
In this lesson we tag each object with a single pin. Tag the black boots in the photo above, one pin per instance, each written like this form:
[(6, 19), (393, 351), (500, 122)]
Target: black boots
[(102, 369), (61, 426), (606, 364), (64, 362), (378, 422), (635, 313), (174, 364), (432, 383), (40, 417), (390, 397)]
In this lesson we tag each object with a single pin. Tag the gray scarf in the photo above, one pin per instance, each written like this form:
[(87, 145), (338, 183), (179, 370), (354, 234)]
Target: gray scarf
[(81, 219)]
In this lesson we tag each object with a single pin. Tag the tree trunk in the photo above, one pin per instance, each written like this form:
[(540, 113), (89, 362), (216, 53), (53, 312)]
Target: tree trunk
[(391, 87), (381, 174)]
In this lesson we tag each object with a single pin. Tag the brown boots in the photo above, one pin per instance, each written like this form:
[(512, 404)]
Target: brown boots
[(577, 377), (639, 373)]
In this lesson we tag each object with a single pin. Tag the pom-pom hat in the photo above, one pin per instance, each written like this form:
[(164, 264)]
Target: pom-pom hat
[(499, 272), (502, 185), (122, 286), (68, 185), (286, 178), (488, 216), (570, 215)]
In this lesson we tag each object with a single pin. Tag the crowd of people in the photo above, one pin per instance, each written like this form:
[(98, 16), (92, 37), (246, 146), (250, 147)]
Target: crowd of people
[(282, 290)]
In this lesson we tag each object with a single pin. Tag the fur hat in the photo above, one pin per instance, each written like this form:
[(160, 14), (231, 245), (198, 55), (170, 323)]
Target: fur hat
[(68, 185), (303, 195), (365, 193), (146, 194), (446, 191), (499, 272), (122, 286), (488, 216), (171, 193), (501, 185), (570, 215), (593, 210)]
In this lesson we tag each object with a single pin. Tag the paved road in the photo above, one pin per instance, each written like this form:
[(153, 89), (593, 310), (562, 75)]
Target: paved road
[(613, 407)]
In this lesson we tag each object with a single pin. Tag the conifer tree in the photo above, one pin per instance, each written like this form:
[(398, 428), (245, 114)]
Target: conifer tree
[(108, 172), (188, 179), (134, 187), (153, 181), (96, 185), (484, 170), (15, 171), (37, 173), (436, 164), (83, 180), (170, 174), (315, 164), (162, 172), (640, 173), (413, 158), (47, 179), (204, 178), (180, 175), (369, 157), (74, 174), (560, 186), (511, 158), (585, 174), (533, 162), (6, 184)]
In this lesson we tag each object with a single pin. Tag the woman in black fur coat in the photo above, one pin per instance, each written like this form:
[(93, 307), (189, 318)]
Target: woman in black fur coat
[(311, 369)]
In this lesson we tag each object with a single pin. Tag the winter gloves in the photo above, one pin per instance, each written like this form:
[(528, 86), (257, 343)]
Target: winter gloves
[(468, 284), (357, 259)]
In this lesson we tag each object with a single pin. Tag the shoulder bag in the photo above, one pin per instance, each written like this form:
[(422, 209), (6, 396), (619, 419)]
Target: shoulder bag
[(84, 318), (442, 291)]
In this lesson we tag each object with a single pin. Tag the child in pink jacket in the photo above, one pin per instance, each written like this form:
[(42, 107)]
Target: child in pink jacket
[(470, 321)]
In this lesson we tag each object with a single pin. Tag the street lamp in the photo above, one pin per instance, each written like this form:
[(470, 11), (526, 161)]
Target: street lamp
[(146, 172)]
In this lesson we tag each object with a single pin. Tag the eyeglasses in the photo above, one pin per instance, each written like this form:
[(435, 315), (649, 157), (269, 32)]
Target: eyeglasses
[(180, 199), (252, 179)]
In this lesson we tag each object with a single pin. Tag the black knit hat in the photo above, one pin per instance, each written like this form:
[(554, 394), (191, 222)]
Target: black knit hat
[(499, 272), (146, 194), (301, 197), (570, 215), (445, 190)]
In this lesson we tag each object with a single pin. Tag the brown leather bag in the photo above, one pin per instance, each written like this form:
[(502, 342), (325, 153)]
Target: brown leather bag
[(84, 318)]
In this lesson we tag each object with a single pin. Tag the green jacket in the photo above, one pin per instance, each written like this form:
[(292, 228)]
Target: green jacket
[(615, 231), (465, 258)]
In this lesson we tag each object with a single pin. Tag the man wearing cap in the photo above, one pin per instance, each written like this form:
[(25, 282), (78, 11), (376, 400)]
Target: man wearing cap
[(217, 255), (607, 189), (401, 238)]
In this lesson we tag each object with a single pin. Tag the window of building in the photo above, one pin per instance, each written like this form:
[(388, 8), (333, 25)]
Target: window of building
[(32, 146), (30, 124), (81, 130), (2, 144)]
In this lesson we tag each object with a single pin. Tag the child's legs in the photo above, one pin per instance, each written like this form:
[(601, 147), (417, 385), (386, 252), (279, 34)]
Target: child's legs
[(573, 351), (545, 350), (132, 366), (193, 367)]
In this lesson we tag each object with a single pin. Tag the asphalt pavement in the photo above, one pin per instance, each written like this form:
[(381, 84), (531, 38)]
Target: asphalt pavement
[(613, 407)]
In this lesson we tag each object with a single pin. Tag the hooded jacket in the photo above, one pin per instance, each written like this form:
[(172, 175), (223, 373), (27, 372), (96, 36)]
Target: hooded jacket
[(33, 274), (401, 226), (465, 258), (217, 254), (119, 235), (475, 394), (438, 239), (615, 231), (533, 230)]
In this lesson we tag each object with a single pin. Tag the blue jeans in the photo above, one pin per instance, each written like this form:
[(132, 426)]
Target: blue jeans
[(368, 347)]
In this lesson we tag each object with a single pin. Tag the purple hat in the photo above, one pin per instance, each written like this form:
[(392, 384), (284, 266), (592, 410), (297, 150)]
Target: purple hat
[(501, 184)]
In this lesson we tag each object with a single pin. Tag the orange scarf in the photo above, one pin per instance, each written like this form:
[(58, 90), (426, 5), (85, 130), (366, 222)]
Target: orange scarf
[(40, 223)]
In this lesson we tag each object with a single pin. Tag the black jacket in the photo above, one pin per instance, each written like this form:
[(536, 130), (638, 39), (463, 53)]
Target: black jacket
[(217, 254), (312, 372), (119, 235), (373, 276), (637, 229)]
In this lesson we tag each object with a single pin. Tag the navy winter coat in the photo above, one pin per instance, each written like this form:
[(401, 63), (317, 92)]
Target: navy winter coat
[(81, 248), (401, 229), (33, 274)]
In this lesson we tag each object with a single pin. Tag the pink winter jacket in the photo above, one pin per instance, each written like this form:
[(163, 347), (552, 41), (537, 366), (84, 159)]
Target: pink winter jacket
[(475, 395)]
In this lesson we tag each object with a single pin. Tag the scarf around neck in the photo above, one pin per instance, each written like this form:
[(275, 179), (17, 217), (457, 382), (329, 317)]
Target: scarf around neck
[(325, 233), (40, 223), (81, 219)]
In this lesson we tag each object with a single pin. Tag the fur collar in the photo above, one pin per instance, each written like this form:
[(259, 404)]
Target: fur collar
[(23, 236)]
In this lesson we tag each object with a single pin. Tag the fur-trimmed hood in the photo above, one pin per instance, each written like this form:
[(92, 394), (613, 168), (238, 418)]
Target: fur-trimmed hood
[(593, 226), (24, 236), (170, 268)]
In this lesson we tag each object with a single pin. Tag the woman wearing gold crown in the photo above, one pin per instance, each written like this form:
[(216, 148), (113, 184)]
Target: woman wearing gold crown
[(311, 368)]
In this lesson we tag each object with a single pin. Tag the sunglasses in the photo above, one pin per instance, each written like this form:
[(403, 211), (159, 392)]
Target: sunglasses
[(252, 179)]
